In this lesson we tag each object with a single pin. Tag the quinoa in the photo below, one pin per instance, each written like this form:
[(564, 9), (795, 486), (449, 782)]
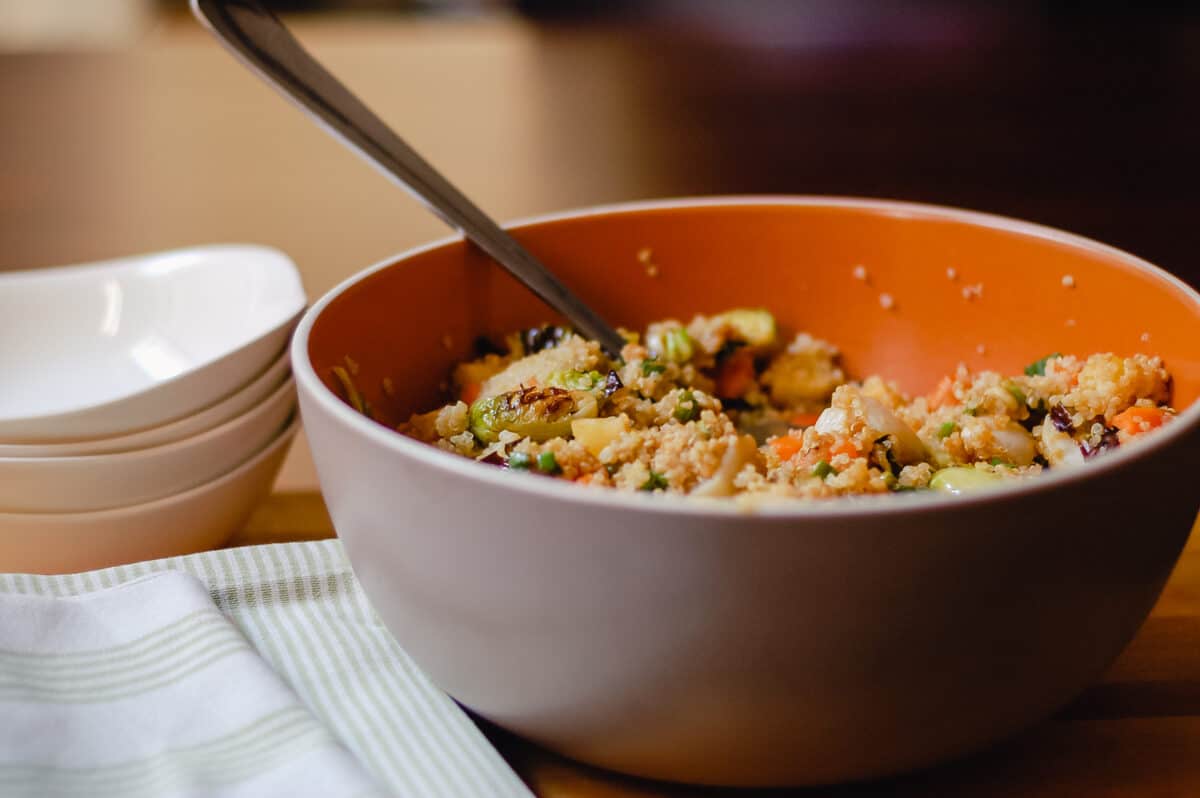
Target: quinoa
[(728, 405)]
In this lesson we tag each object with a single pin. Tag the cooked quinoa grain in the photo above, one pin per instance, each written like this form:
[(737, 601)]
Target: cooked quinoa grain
[(726, 405)]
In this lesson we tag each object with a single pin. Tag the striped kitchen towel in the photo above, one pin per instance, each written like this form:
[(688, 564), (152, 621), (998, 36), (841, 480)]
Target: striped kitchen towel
[(256, 671)]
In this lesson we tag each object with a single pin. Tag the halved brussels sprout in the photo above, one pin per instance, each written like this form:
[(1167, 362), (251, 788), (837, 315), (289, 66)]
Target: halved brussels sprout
[(535, 413), (755, 327), (577, 380), (672, 344), (960, 479)]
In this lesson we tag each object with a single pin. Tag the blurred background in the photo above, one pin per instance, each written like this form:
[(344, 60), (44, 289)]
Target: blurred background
[(127, 129)]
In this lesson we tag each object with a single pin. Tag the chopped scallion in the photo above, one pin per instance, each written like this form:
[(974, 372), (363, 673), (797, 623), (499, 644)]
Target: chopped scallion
[(656, 482), (1038, 367)]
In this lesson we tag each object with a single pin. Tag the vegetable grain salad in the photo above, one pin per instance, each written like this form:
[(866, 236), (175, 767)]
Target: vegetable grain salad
[(726, 405)]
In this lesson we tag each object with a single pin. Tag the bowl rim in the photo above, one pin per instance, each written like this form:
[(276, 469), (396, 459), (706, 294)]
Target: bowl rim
[(871, 505), (288, 283), (268, 380), (278, 396), (123, 511)]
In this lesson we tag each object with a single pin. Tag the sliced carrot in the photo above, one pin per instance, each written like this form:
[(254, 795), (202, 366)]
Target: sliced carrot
[(470, 392), (844, 447), (736, 375), (804, 419), (786, 446), (1136, 420)]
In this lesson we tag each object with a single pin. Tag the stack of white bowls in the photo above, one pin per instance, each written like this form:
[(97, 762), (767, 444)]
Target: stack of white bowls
[(146, 404)]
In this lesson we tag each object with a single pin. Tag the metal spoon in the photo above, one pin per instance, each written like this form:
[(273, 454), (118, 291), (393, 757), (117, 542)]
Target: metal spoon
[(262, 42)]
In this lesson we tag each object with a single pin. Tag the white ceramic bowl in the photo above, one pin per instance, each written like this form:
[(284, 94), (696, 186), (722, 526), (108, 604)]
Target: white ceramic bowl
[(201, 518), (214, 415), (105, 349), (98, 482)]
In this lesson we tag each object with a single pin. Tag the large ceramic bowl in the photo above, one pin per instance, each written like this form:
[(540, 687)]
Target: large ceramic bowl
[(810, 643), (199, 519), (103, 481), (241, 401)]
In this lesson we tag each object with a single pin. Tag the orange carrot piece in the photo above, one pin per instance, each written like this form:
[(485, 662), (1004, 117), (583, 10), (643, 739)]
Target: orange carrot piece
[(736, 375), (786, 446), (1136, 420), (471, 391), (844, 447)]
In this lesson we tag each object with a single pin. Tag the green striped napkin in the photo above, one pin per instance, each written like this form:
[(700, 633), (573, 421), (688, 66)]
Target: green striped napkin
[(252, 671)]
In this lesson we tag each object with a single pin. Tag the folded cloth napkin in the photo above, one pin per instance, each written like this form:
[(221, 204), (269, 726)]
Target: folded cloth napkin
[(258, 671)]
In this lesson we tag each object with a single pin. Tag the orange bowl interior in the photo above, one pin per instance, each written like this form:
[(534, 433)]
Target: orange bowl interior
[(410, 322)]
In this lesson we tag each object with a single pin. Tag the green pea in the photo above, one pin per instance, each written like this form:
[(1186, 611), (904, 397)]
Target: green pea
[(519, 461), (547, 463), (823, 469), (947, 429)]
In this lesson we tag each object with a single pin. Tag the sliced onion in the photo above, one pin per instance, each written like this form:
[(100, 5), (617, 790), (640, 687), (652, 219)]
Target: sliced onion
[(906, 446), (739, 453), (1017, 445)]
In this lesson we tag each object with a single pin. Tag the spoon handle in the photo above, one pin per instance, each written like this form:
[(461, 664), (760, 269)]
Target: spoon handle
[(262, 42)]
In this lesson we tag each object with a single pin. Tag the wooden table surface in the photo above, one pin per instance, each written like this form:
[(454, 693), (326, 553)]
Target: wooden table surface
[(170, 143)]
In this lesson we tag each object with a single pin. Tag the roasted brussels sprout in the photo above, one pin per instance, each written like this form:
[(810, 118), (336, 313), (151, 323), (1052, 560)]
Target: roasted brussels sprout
[(535, 413), (671, 344), (754, 327)]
